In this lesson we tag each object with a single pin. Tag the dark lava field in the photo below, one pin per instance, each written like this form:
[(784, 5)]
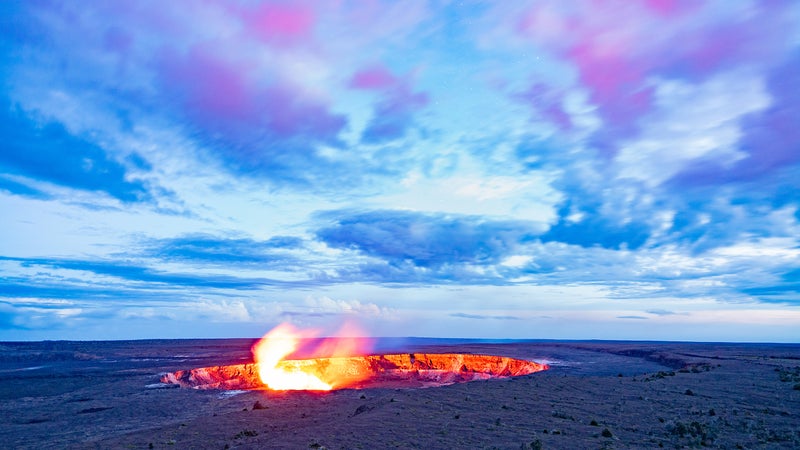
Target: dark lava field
[(596, 394)]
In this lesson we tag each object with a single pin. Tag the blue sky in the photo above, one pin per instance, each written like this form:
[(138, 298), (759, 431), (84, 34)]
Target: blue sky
[(601, 169)]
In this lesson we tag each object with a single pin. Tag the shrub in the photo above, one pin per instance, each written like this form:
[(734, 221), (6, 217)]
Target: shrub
[(246, 433)]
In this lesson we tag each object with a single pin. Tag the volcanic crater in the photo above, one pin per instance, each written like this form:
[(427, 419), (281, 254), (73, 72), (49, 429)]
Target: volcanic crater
[(405, 370)]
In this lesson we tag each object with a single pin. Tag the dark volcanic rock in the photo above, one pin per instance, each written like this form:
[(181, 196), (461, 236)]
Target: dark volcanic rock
[(744, 398), (258, 405)]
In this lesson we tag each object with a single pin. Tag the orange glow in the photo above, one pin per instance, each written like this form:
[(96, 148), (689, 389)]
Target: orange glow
[(278, 373), (290, 359), (405, 370)]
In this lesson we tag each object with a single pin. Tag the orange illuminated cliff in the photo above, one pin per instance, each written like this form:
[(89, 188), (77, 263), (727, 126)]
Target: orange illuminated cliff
[(394, 370)]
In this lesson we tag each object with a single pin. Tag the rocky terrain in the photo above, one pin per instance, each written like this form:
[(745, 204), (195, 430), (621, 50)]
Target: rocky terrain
[(595, 395)]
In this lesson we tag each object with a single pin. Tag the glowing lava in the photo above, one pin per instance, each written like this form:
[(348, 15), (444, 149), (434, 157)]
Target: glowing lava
[(335, 363), (279, 374)]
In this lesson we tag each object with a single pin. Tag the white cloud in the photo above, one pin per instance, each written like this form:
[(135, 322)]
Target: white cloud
[(692, 121), (530, 198), (517, 261), (328, 305)]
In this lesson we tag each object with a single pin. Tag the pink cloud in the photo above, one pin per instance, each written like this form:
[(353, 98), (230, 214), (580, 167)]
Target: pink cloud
[(394, 112), (288, 114), (207, 85), (548, 103), (226, 100), (280, 23), (670, 7), (619, 47), (373, 78), (394, 115)]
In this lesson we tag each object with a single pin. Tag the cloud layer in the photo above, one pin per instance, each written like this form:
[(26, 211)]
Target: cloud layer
[(578, 171)]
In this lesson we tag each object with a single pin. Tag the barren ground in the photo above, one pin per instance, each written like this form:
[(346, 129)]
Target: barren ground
[(596, 395)]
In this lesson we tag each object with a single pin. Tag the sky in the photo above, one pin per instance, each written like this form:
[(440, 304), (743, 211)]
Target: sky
[(602, 169)]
